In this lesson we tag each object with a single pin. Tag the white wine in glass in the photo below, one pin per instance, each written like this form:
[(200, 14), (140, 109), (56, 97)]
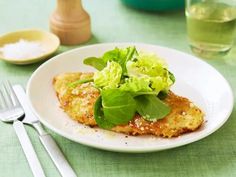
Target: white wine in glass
[(210, 26)]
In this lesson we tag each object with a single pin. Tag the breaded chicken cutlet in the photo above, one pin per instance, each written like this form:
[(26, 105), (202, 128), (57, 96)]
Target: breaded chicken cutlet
[(78, 103)]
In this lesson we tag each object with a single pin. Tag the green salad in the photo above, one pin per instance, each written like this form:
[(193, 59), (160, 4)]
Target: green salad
[(130, 82)]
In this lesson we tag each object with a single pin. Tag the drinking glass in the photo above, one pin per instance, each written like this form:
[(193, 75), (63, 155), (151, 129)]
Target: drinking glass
[(211, 26)]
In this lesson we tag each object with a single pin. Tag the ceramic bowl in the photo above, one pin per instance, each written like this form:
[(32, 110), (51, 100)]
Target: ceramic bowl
[(47, 40)]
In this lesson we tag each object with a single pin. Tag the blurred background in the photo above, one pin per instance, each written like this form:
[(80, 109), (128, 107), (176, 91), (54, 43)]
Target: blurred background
[(149, 21)]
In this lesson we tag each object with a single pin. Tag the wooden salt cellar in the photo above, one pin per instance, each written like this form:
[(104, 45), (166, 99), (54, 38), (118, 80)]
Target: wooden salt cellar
[(70, 22)]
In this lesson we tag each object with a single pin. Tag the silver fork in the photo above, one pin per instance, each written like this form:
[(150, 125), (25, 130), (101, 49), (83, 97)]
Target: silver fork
[(11, 111)]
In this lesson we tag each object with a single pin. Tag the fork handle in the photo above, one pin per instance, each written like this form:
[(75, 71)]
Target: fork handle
[(54, 152), (28, 149)]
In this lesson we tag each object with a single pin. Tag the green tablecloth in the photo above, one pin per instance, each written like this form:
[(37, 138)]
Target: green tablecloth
[(113, 22)]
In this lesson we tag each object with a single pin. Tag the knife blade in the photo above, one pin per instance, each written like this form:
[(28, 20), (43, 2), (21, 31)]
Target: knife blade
[(45, 138)]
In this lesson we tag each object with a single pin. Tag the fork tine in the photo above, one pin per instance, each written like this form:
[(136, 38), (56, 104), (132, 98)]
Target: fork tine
[(13, 95), (3, 103), (9, 94), (6, 96)]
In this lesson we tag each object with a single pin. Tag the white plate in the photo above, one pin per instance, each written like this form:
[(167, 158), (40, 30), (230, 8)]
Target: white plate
[(195, 80)]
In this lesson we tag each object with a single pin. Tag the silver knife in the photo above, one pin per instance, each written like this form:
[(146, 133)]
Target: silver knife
[(46, 139)]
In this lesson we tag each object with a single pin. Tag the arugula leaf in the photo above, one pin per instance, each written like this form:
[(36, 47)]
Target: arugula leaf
[(131, 52), (81, 81), (172, 77), (119, 106), (151, 107), (162, 94), (135, 94), (97, 63), (99, 115)]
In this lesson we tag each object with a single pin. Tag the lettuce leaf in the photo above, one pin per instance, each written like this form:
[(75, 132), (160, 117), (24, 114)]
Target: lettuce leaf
[(121, 56), (136, 84), (109, 77)]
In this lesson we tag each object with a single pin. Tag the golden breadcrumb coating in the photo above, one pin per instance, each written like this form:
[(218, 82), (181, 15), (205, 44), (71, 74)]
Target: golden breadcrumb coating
[(78, 103)]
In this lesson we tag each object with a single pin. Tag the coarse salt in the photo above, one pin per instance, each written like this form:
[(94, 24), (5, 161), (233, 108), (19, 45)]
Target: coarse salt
[(23, 49)]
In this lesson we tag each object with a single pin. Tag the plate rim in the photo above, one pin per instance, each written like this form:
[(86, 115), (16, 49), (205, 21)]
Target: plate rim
[(131, 149)]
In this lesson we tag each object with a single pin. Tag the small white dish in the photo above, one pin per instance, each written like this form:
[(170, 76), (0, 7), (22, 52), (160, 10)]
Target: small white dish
[(49, 41), (195, 80)]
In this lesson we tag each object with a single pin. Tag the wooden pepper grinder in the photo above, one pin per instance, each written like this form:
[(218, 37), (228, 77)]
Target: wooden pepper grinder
[(70, 22)]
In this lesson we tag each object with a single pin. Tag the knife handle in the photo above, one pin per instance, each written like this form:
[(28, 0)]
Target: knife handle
[(54, 152), (28, 149)]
